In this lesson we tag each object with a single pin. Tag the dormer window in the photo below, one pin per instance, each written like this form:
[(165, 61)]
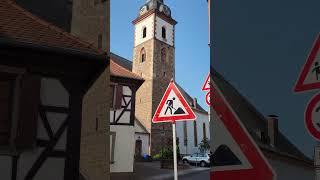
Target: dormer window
[(164, 32), (144, 32), (143, 55)]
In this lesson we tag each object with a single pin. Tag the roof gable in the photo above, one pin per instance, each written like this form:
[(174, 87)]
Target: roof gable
[(139, 127), (20, 25), (117, 70)]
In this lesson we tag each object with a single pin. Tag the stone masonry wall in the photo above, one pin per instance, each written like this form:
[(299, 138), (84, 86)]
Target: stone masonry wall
[(90, 22), (161, 134), (94, 152), (150, 93), (144, 96)]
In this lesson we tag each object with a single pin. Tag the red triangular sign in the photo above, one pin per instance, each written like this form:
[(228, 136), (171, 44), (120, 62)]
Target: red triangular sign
[(206, 85), (309, 78), (173, 107), (236, 155)]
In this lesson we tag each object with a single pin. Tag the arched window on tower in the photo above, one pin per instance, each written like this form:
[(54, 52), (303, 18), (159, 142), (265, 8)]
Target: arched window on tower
[(163, 54), (143, 55), (164, 32), (144, 32)]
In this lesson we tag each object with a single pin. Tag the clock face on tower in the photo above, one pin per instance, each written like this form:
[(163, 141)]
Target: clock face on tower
[(143, 10)]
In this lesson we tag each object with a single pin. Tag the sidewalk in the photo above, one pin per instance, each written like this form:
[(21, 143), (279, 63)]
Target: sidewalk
[(152, 171)]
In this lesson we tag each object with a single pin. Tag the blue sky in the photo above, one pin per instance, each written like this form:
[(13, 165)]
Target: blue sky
[(192, 52)]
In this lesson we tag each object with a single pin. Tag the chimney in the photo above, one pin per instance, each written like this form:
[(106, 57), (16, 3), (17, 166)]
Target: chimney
[(195, 102), (272, 122), (317, 160)]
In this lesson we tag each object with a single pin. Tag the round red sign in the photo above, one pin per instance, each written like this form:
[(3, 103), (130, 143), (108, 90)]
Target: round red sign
[(312, 117), (208, 101)]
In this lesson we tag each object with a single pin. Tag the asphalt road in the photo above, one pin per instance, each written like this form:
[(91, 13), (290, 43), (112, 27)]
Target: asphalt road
[(152, 171), (204, 175)]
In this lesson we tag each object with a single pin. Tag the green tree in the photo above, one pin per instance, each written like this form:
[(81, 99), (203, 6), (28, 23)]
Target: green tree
[(204, 145)]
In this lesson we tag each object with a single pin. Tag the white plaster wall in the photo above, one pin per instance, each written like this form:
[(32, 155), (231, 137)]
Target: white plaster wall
[(145, 142), (140, 132), (53, 94), (149, 23), (52, 168), (125, 117), (169, 35), (124, 148), (190, 148), (291, 171)]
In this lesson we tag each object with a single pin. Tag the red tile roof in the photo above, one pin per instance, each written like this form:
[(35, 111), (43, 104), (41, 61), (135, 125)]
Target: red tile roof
[(119, 71), (20, 25)]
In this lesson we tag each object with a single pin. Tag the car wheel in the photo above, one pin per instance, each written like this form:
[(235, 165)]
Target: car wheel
[(185, 161), (203, 164)]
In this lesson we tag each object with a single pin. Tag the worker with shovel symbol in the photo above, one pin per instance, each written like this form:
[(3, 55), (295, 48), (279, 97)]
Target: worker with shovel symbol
[(316, 70), (170, 105)]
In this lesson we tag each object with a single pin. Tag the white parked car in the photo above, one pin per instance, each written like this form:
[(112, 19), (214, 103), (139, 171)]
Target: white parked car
[(197, 158)]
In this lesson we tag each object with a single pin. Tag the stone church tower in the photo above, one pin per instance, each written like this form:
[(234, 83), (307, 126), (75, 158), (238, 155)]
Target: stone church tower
[(153, 59)]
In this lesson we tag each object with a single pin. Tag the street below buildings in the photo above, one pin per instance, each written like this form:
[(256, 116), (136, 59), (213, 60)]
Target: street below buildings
[(203, 175), (152, 171)]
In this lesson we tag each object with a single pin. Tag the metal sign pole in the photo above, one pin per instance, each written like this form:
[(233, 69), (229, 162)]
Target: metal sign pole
[(175, 169), (209, 113)]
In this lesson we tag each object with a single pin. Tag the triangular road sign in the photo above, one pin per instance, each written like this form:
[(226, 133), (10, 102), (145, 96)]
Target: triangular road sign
[(206, 85), (236, 155), (173, 107), (309, 78)]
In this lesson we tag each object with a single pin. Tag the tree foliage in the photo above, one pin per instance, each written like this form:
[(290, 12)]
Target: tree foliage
[(204, 145)]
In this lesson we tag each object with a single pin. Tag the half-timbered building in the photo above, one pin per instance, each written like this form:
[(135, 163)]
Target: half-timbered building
[(123, 84), (44, 75)]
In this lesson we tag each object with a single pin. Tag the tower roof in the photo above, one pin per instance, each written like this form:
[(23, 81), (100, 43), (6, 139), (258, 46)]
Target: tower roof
[(155, 5)]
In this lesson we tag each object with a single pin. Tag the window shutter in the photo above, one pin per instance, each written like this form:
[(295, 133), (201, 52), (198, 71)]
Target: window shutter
[(118, 102), (28, 111)]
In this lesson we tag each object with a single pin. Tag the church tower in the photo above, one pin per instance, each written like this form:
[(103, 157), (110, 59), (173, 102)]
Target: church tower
[(153, 59)]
